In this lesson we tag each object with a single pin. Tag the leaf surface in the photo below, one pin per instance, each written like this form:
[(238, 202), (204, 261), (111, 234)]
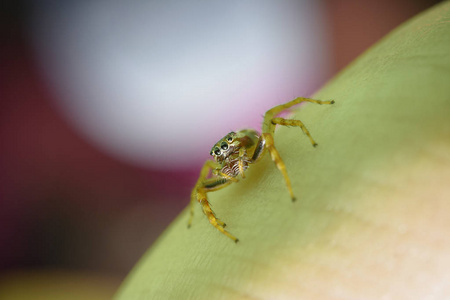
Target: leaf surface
[(373, 199)]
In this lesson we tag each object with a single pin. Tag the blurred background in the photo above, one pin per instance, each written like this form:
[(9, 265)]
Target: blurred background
[(108, 110)]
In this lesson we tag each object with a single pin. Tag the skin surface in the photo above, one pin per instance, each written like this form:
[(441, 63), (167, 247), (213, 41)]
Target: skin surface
[(371, 220)]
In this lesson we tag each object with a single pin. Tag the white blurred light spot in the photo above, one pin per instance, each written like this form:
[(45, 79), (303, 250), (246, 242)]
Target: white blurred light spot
[(159, 82)]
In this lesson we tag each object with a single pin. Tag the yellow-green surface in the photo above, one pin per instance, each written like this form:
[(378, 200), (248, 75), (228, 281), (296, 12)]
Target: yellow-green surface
[(372, 219)]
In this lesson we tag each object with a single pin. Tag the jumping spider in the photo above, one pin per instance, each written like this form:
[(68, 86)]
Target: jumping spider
[(234, 154)]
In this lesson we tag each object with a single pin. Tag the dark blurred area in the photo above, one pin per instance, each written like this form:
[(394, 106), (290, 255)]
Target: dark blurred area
[(67, 205)]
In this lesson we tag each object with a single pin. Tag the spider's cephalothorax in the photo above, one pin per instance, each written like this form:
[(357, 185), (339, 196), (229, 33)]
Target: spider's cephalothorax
[(231, 153), (226, 148), (236, 151)]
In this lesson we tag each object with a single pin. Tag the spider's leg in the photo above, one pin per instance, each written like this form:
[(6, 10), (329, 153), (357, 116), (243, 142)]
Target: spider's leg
[(199, 195), (213, 184), (207, 167), (269, 127), (289, 122), (266, 142), (203, 186), (268, 130)]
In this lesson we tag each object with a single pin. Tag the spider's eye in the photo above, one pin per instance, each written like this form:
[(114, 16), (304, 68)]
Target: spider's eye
[(224, 146), (230, 139), (217, 151), (211, 153)]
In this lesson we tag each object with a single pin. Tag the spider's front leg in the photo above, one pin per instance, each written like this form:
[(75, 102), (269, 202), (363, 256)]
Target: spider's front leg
[(266, 139), (199, 192), (266, 142), (270, 120)]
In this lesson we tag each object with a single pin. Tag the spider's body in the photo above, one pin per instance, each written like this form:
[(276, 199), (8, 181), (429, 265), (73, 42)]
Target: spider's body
[(235, 152), (232, 151)]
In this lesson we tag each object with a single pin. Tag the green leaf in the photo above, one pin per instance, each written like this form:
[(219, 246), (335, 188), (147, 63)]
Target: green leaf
[(373, 199)]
